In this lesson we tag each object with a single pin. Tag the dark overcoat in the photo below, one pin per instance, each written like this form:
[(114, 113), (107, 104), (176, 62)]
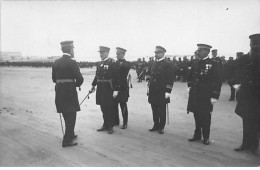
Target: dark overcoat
[(248, 105), (161, 77), (107, 81), (230, 71), (123, 67), (204, 80), (66, 98)]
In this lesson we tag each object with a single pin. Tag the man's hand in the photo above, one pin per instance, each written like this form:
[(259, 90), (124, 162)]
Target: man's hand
[(167, 95), (92, 89), (188, 89), (213, 101), (115, 93)]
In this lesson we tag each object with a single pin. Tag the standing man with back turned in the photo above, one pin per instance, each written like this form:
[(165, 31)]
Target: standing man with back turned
[(160, 81), (204, 83), (67, 76), (248, 105), (106, 80), (123, 67)]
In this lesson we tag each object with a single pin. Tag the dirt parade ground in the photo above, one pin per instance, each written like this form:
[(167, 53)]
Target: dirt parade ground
[(31, 133)]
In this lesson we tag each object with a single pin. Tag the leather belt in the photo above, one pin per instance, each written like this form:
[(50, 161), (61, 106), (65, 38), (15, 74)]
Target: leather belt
[(65, 81), (100, 80), (106, 81)]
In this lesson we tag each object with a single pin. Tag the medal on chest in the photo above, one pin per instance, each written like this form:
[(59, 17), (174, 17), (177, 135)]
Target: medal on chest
[(106, 67)]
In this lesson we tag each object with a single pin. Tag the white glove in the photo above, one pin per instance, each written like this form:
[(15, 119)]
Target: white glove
[(115, 93), (236, 87), (167, 95), (188, 89), (213, 101), (92, 89)]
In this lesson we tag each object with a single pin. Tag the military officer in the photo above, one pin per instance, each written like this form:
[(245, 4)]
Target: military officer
[(230, 72), (66, 74), (160, 82), (248, 105), (107, 82), (203, 82), (218, 60), (123, 67), (238, 71), (140, 69)]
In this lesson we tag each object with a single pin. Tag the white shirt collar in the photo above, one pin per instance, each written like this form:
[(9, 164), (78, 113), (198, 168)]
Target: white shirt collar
[(67, 54), (205, 58), (105, 59), (160, 59)]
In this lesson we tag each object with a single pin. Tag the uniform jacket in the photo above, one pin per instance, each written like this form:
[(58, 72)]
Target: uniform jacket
[(248, 105), (140, 66), (160, 76), (107, 81), (230, 71), (204, 80), (123, 68), (66, 98)]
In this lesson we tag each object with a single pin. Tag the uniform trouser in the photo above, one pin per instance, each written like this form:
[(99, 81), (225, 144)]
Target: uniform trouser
[(202, 122), (159, 115), (70, 120), (250, 134), (108, 116), (124, 111)]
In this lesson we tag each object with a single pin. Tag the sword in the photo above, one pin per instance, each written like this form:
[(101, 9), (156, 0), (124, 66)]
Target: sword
[(87, 96), (61, 125), (141, 73), (167, 108)]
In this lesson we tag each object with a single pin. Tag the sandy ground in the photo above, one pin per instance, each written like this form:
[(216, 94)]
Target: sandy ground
[(31, 132)]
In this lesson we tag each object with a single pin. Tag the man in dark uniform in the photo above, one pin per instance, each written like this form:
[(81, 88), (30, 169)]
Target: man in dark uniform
[(230, 72), (184, 67), (248, 105), (160, 81), (238, 72), (67, 76), (107, 82), (140, 69), (203, 82), (179, 69), (218, 60), (123, 67)]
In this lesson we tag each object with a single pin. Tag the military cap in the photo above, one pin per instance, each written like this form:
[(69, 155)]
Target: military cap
[(121, 49), (254, 40), (214, 50), (240, 53), (160, 49), (103, 49), (204, 46), (65, 44)]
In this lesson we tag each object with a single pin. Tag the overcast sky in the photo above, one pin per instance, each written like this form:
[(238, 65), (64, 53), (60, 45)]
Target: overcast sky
[(36, 28)]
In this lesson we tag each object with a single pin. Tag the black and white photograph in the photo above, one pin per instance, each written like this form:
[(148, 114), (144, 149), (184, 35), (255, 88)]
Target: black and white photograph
[(130, 83)]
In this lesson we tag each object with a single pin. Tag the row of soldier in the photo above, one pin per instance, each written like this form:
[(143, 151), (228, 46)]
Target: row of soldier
[(204, 80), (180, 66), (82, 64)]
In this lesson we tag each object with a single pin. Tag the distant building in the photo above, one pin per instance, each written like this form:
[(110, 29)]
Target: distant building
[(10, 56)]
